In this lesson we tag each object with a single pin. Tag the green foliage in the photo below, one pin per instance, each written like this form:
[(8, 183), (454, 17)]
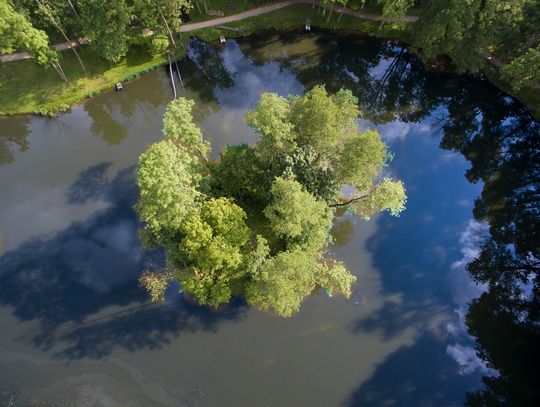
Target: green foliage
[(17, 33), (106, 26), (321, 120), (283, 282), (239, 175), (260, 222), (162, 17), (210, 253), (336, 279), (448, 30), (60, 10), (178, 127), (297, 217), (270, 119), (324, 149), (168, 186), (395, 9), (169, 175), (361, 159), (388, 195), (525, 70), (466, 29)]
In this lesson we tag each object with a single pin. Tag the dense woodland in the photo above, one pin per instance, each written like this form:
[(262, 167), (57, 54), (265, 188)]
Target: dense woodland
[(468, 31)]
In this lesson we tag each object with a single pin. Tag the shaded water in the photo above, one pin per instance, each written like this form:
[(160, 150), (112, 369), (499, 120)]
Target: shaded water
[(76, 329)]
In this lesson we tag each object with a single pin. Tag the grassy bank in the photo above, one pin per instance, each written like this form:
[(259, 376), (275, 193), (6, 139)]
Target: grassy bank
[(29, 88)]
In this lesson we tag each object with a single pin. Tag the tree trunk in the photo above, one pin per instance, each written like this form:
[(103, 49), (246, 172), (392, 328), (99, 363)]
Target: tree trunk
[(355, 199), (170, 72), (330, 14), (50, 16), (205, 6), (342, 10), (73, 9), (58, 68), (171, 36)]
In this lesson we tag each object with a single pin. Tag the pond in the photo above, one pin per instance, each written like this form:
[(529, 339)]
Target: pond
[(78, 331)]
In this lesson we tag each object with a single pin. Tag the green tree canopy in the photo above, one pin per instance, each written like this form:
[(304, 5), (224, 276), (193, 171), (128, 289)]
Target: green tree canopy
[(17, 33), (105, 24), (257, 221), (297, 217), (163, 18)]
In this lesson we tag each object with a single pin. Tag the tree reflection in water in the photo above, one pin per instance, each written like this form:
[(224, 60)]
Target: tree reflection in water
[(501, 140), (13, 136)]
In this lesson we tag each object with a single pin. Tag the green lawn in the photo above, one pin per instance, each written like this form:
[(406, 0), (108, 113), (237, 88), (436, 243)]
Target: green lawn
[(30, 88)]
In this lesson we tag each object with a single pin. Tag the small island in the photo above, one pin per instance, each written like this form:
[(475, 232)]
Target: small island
[(257, 221)]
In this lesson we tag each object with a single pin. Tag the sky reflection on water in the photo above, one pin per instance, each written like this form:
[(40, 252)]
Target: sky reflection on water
[(76, 324)]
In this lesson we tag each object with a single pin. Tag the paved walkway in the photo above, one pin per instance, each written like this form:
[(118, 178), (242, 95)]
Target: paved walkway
[(224, 20)]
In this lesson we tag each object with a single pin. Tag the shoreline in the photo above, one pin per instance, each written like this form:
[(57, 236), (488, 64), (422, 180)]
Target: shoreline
[(41, 93)]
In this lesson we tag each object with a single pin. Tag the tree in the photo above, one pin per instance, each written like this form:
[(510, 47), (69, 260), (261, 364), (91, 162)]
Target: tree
[(106, 27), (162, 17), (394, 10), (169, 175), (210, 256), (458, 27), (284, 281), (524, 70), (316, 138), (297, 217), (168, 183), (44, 7), (257, 222), (16, 32)]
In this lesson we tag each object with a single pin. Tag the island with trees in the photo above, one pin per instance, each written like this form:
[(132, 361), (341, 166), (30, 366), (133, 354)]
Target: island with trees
[(256, 222)]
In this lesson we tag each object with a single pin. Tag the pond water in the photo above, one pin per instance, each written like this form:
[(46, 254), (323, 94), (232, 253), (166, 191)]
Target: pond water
[(78, 331)]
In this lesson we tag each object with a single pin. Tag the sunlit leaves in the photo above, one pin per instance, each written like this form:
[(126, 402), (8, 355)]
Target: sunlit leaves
[(388, 195), (211, 250), (270, 118), (283, 282), (259, 224), (168, 187), (178, 127), (298, 217), (105, 24), (17, 32)]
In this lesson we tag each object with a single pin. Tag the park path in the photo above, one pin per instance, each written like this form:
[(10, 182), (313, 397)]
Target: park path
[(224, 20), (276, 6)]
